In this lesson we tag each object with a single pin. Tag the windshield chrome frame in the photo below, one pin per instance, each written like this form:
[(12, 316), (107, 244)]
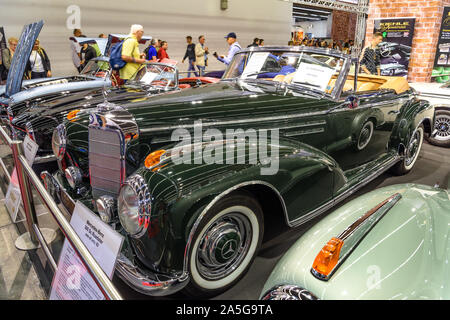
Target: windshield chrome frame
[(162, 65)]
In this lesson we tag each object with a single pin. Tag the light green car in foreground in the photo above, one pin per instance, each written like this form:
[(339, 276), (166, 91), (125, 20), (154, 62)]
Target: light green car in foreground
[(391, 243)]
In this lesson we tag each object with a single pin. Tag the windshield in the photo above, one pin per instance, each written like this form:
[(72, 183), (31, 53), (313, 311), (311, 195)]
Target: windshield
[(313, 70), (157, 75), (95, 68)]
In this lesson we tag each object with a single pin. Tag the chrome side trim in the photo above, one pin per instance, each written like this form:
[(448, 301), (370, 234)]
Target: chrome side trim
[(304, 132), (357, 231), (213, 202), (234, 122)]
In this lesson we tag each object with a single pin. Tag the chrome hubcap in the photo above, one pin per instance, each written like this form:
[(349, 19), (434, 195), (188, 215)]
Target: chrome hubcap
[(413, 148), (442, 124), (223, 246), (365, 135)]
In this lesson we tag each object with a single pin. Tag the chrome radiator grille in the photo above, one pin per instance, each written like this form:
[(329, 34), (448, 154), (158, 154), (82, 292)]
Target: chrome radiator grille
[(106, 163)]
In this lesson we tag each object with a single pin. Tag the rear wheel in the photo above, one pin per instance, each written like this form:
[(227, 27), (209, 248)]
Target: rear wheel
[(411, 153), (442, 125), (224, 245)]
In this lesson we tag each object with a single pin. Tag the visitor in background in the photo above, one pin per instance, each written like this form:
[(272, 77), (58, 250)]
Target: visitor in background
[(233, 49), (6, 58), (371, 58), (190, 54), (201, 52), (346, 48), (8, 53), (261, 42), (87, 52), (254, 44), (162, 52), (151, 52), (75, 49), (38, 65), (131, 54)]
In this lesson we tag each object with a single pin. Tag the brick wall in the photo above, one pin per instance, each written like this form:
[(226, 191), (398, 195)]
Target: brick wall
[(343, 26), (428, 14)]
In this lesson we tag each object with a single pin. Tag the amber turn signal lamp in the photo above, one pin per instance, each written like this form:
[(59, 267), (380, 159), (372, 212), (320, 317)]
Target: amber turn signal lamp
[(328, 257), (153, 158), (72, 114)]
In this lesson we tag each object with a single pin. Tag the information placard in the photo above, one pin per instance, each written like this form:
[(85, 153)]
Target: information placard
[(72, 281), (395, 50), (441, 70), (313, 75), (30, 149), (255, 64)]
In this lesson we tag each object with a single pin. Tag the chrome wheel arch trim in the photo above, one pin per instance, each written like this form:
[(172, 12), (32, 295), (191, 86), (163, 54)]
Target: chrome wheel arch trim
[(214, 201)]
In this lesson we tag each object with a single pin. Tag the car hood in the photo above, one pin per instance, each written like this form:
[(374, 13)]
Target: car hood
[(215, 103), (28, 82), (24, 47), (405, 255), (63, 85)]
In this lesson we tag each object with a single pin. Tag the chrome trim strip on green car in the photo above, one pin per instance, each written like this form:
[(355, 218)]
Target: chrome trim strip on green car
[(356, 232), (233, 122)]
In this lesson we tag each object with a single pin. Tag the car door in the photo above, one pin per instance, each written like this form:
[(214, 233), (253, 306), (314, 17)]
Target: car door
[(362, 126)]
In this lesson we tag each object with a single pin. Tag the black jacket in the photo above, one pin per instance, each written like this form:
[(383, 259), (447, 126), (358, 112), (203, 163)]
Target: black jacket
[(45, 62), (87, 54)]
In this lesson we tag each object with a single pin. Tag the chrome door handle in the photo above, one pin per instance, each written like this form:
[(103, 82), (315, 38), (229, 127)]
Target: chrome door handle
[(393, 112)]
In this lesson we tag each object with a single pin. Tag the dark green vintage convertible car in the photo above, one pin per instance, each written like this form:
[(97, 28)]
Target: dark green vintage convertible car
[(191, 178)]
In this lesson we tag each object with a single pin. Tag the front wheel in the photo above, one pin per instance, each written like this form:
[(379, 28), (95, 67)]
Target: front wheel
[(224, 245), (442, 125), (411, 153)]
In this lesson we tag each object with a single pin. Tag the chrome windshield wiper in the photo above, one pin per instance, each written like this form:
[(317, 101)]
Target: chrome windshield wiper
[(254, 74)]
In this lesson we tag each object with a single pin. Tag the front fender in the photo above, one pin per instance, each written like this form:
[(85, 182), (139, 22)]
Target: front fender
[(182, 194)]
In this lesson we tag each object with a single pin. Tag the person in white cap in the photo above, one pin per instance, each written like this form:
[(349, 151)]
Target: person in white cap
[(131, 54)]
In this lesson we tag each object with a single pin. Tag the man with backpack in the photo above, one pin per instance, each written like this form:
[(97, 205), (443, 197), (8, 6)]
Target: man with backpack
[(131, 54)]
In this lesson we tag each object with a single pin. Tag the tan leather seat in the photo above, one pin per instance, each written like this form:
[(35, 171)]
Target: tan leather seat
[(279, 78)]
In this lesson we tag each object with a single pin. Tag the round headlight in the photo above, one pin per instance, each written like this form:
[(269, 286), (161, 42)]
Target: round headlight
[(59, 141), (134, 206), (288, 292)]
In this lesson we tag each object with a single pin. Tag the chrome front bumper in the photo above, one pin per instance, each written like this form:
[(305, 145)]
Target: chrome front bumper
[(147, 282), (140, 279)]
